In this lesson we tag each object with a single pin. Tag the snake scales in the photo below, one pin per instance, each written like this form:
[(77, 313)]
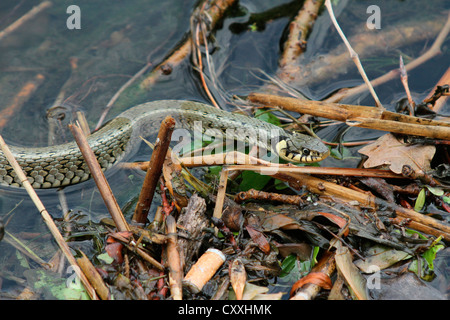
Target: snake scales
[(62, 165)]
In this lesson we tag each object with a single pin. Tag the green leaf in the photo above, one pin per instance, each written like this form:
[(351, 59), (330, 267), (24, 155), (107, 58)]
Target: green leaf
[(253, 180), (215, 170), (314, 257), (280, 185), (288, 264), (105, 257), (446, 199), (267, 116), (411, 231), (420, 201), (430, 254), (436, 191), (427, 269)]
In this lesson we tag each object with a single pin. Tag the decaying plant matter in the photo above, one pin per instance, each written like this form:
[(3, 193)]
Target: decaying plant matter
[(220, 240)]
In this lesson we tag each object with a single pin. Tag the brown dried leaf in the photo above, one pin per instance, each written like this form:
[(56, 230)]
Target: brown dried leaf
[(114, 250), (345, 265), (259, 239), (317, 278), (302, 250), (238, 278), (341, 222), (387, 150), (274, 221)]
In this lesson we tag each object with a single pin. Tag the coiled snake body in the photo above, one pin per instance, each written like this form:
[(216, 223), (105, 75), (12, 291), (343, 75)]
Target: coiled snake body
[(62, 165)]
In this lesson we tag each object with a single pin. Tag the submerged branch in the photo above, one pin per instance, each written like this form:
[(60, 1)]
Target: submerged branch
[(26, 17), (433, 51)]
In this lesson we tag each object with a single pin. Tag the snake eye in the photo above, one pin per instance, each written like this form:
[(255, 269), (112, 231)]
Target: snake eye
[(306, 152)]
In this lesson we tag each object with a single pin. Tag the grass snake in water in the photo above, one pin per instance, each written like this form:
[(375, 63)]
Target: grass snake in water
[(62, 165)]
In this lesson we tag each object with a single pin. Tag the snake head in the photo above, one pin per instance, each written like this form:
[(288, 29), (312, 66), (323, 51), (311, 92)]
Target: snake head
[(301, 148)]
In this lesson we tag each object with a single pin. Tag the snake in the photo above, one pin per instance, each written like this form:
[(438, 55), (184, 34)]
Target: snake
[(64, 165)]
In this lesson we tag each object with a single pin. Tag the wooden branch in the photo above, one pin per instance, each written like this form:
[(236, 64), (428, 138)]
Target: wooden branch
[(154, 170), (173, 260), (360, 116), (47, 218), (347, 172), (193, 221), (94, 277), (173, 60), (100, 179), (221, 194), (253, 194)]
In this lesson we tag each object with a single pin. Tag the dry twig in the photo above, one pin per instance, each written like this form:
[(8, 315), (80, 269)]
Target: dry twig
[(100, 179), (173, 259), (353, 54), (253, 194), (154, 171), (318, 186), (360, 116), (404, 79), (220, 195), (94, 277)]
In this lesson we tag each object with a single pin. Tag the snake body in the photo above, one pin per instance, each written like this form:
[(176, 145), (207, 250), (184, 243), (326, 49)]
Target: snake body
[(62, 165)]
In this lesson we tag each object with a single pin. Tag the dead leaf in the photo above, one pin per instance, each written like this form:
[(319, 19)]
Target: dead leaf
[(238, 278), (250, 292), (381, 260), (259, 238), (114, 250), (317, 278), (353, 278), (341, 222), (387, 150), (274, 221), (302, 250)]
